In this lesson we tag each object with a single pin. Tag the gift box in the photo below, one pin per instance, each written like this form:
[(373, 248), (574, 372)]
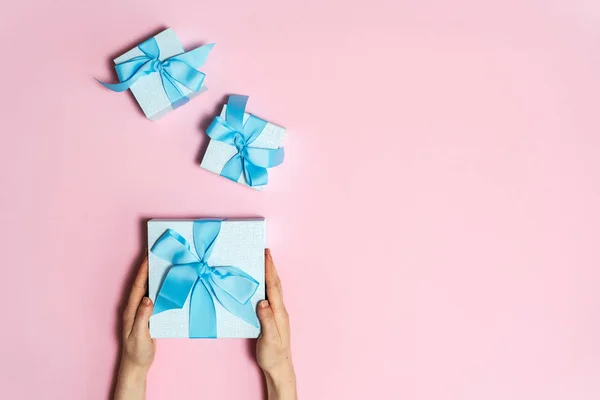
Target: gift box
[(243, 146), (206, 277), (160, 74)]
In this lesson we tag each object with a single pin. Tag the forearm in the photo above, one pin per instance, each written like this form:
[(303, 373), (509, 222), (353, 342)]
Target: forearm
[(281, 384), (131, 383)]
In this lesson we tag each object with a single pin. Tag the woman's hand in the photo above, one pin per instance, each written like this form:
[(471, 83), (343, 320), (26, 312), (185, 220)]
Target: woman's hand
[(138, 347), (273, 351)]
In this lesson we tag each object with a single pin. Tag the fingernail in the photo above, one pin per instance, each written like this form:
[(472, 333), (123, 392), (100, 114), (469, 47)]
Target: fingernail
[(146, 301), (268, 253), (263, 304)]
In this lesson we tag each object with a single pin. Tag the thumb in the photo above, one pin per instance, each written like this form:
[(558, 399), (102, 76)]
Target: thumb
[(269, 329), (142, 317)]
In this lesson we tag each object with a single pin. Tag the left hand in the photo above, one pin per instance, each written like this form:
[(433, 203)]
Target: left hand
[(138, 347)]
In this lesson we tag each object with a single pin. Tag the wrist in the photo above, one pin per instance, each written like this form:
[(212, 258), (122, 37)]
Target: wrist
[(281, 382), (131, 373), (131, 383), (280, 371)]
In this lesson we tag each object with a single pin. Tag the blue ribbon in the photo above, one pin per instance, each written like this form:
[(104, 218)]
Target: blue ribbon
[(181, 69), (251, 161), (230, 286)]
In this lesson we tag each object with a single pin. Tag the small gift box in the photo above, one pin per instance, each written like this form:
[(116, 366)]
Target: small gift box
[(242, 146), (206, 277), (160, 74)]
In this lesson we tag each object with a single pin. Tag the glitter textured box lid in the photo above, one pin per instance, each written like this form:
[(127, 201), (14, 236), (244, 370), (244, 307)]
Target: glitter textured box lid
[(241, 243)]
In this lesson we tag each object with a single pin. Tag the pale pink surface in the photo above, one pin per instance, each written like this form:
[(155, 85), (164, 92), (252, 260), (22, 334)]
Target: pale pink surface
[(435, 223)]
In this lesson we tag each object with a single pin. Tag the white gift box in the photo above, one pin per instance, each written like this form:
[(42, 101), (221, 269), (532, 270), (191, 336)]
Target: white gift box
[(218, 153), (148, 90), (241, 243)]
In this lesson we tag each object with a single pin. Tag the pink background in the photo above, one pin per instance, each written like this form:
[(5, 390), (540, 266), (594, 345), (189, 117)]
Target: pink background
[(436, 221)]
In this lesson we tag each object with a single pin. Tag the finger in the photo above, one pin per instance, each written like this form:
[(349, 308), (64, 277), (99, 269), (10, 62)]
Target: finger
[(267, 321), (274, 291), (138, 291), (142, 317), (275, 296)]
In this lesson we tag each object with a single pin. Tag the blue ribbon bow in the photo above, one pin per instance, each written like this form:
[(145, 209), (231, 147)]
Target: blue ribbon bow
[(181, 68), (251, 161), (230, 286)]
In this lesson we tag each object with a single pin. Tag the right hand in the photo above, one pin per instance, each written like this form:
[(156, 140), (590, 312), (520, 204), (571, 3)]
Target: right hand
[(273, 351)]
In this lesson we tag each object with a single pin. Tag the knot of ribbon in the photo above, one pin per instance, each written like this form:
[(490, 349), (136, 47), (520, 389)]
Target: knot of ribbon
[(180, 69), (190, 273), (157, 65), (250, 161), (202, 269)]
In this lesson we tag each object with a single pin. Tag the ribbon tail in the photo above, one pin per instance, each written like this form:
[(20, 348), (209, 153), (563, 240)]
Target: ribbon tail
[(244, 311), (233, 169), (175, 288), (129, 72), (255, 175), (203, 316), (236, 107), (123, 86), (116, 87)]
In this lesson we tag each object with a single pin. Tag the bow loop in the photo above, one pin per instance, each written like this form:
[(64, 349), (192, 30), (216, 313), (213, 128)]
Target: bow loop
[(183, 73), (173, 248), (221, 131), (175, 288), (245, 311), (266, 158), (150, 48), (205, 234), (128, 69)]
